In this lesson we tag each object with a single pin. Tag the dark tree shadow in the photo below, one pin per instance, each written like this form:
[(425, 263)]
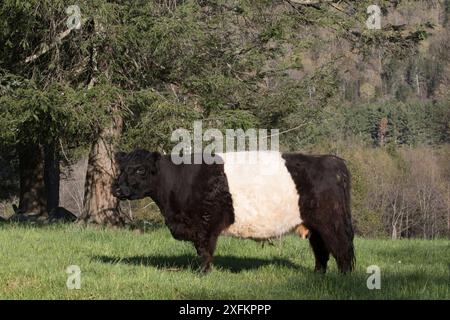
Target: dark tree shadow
[(191, 262)]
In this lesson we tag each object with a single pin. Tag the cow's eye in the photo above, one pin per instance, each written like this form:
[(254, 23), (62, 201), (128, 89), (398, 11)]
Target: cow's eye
[(140, 171)]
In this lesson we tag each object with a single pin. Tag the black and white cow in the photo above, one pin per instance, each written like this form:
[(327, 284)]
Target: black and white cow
[(247, 199)]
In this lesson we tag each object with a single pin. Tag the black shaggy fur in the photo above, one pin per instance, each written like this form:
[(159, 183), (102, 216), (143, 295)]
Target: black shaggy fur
[(323, 183), (193, 198), (197, 205)]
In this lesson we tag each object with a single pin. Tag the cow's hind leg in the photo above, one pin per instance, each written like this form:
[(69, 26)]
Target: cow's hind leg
[(321, 253), (341, 247), (333, 223), (336, 241), (205, 249)]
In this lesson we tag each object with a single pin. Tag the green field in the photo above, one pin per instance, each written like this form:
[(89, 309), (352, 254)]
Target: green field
[(122, 264)]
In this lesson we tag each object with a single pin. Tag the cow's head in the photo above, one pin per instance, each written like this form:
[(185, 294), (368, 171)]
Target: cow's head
[(137, 174)]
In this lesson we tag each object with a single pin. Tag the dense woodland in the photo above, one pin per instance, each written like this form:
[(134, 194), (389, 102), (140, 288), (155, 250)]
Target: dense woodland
[(137, 70)]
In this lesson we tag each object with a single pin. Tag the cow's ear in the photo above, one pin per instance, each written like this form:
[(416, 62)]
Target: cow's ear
[(156, 156), (120, 157)]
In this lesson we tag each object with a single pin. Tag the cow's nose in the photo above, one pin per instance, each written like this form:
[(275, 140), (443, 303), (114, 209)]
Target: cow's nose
[(116, 190)]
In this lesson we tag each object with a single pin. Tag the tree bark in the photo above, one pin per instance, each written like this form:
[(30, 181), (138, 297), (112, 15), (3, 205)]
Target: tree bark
[(51, 176), (100, 206), (32, 198)]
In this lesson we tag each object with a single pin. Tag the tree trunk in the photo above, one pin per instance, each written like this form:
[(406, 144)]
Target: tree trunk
[(100, 206), (394, 232), (51, 176), (448, 209), (32, 198)]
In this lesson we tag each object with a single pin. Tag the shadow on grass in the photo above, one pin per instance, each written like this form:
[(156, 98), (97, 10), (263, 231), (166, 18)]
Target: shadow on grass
[(190, 262), (33, 224)]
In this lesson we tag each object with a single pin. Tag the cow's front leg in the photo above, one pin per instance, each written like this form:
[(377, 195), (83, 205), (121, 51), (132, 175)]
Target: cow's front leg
[(205, 249)]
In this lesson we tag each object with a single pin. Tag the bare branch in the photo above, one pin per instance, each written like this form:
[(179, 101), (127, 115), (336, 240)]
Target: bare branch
[(46, 48)]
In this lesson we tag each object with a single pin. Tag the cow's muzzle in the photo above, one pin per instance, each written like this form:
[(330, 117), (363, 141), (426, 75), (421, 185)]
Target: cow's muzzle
[(119, 192)]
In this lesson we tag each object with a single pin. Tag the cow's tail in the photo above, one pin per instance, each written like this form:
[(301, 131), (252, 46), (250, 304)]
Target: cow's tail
[(348, 259)]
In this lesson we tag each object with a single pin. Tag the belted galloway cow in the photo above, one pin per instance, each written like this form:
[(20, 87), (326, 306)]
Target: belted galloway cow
[(263, 199)]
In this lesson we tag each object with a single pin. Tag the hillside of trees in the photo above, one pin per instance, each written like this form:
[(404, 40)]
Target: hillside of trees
[(124, 74)]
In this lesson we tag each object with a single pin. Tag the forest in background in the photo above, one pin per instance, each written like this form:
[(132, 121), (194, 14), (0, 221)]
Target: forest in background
[(137, 70)]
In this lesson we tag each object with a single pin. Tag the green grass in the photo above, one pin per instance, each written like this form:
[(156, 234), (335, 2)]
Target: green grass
[(122, 264)]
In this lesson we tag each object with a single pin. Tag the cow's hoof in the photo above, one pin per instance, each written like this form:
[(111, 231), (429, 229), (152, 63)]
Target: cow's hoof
[(320, 270), (204, 270)]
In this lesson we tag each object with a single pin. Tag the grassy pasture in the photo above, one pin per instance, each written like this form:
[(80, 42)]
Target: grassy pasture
[(122, 264)]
